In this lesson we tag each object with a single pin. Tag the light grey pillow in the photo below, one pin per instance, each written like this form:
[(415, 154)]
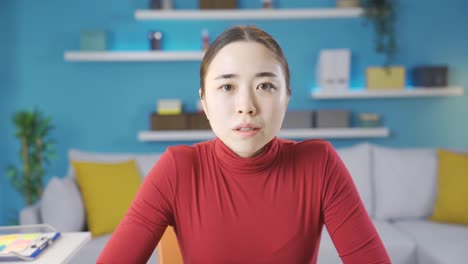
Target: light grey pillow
[(357, 160), (405, 182), (62, 206)]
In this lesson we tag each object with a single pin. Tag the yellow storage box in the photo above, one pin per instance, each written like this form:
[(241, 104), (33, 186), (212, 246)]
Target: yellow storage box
[(381, 78)]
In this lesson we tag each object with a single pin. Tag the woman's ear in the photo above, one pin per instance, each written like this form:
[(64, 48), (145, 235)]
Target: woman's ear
[(287, 102), (203, 102)]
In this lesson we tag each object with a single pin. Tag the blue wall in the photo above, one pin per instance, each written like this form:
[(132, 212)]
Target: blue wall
[(7, 85), (102, 106)]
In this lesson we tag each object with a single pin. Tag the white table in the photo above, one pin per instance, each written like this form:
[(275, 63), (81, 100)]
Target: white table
[(61, 251)]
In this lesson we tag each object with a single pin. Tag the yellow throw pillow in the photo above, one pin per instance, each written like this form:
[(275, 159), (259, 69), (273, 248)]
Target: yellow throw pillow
[(451, 203), (108, 190)]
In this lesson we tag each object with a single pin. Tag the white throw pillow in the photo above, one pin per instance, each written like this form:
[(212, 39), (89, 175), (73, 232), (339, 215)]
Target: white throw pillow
[(145, 162), (358, 161), (405, 182), (62, 206)]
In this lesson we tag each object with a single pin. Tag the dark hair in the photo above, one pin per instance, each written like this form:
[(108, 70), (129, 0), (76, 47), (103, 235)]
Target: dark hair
[(243, 33)]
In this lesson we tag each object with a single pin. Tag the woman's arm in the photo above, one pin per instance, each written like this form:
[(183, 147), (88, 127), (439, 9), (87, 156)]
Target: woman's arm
[(346, 218), (137, 235)]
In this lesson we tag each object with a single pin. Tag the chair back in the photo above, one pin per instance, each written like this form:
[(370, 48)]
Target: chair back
[(168, 248)]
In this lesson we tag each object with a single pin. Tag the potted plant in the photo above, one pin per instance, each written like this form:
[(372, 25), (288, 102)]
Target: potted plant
[(381, 13), (36, 149)]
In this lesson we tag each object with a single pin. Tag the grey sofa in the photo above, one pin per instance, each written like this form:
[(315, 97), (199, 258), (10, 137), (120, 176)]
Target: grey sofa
[(398, 188)]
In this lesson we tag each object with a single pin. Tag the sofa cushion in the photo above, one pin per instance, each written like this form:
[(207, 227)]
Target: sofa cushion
[(108, 190), (437, 243), (400, 248), (405, 182), (358, 161), (452, 196), (145, 161), (90, 252), (61, 205)]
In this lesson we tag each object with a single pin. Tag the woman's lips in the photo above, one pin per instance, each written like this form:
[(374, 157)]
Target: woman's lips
[(247, 132)]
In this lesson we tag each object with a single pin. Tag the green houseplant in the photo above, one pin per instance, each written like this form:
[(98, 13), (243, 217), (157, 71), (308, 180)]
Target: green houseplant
[(381, 13), (36, 150)]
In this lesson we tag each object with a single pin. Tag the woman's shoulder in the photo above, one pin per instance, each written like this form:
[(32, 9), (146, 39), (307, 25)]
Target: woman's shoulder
[(178, 152), (316, 150), (309, 145)]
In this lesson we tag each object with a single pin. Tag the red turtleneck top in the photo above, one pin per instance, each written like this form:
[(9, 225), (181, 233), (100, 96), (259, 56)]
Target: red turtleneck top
[(266, 209)]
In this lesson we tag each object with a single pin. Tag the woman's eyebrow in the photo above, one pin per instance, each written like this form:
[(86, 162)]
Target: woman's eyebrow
[(232, 75), (265, 74), (227, 76)]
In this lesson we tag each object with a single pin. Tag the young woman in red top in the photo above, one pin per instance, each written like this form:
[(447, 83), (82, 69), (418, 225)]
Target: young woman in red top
[(247, 196)]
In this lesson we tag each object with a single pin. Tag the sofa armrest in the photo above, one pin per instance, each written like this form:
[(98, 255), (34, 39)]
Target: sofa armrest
[(30, 215)]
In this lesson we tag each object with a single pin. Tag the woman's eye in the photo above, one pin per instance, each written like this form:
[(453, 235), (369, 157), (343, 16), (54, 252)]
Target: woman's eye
[(266, 86), (226, 87)]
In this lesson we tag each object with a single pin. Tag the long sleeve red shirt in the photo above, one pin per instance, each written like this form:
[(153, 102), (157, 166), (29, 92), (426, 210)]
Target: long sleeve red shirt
[(266, 209)]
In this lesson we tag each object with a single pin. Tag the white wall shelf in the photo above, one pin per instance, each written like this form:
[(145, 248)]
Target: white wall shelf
[(133, 55), (256, 14), (196, 135), (407, 93)]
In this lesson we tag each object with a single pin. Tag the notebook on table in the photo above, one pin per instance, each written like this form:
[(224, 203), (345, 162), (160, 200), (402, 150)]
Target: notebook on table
[(25, 242)]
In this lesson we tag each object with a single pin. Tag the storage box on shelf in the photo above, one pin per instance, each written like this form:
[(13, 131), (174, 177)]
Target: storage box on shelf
[(430, 76), (298, 119), (179, 122), (378, 78)]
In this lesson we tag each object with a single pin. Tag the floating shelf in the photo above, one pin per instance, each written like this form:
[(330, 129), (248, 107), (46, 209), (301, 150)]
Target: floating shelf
[(133, 55), (256, 14), (196, 135), (414, 92)]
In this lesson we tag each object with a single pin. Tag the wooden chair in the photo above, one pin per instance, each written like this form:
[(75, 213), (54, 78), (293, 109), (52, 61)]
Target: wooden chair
[(168, 248)]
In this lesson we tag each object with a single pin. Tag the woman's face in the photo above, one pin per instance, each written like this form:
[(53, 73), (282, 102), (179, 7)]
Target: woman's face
[(245, 97)]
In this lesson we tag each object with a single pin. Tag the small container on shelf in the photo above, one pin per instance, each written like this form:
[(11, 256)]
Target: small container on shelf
[(333, 70), (298, 119), (347, 3), (95, 40), (198, 121), (169, 107), (167, 4), (155, 40), (267, 4), (369, 120), (430, 76), (205, 40), (169, 122), (217, 4), (332, 118), (155, 4), (391, 77)]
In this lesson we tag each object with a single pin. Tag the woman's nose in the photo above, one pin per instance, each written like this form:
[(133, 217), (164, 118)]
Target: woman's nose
[(246, 105), (246, 110)]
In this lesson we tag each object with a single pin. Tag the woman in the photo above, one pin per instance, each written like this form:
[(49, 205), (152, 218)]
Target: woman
[(247, 196)]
